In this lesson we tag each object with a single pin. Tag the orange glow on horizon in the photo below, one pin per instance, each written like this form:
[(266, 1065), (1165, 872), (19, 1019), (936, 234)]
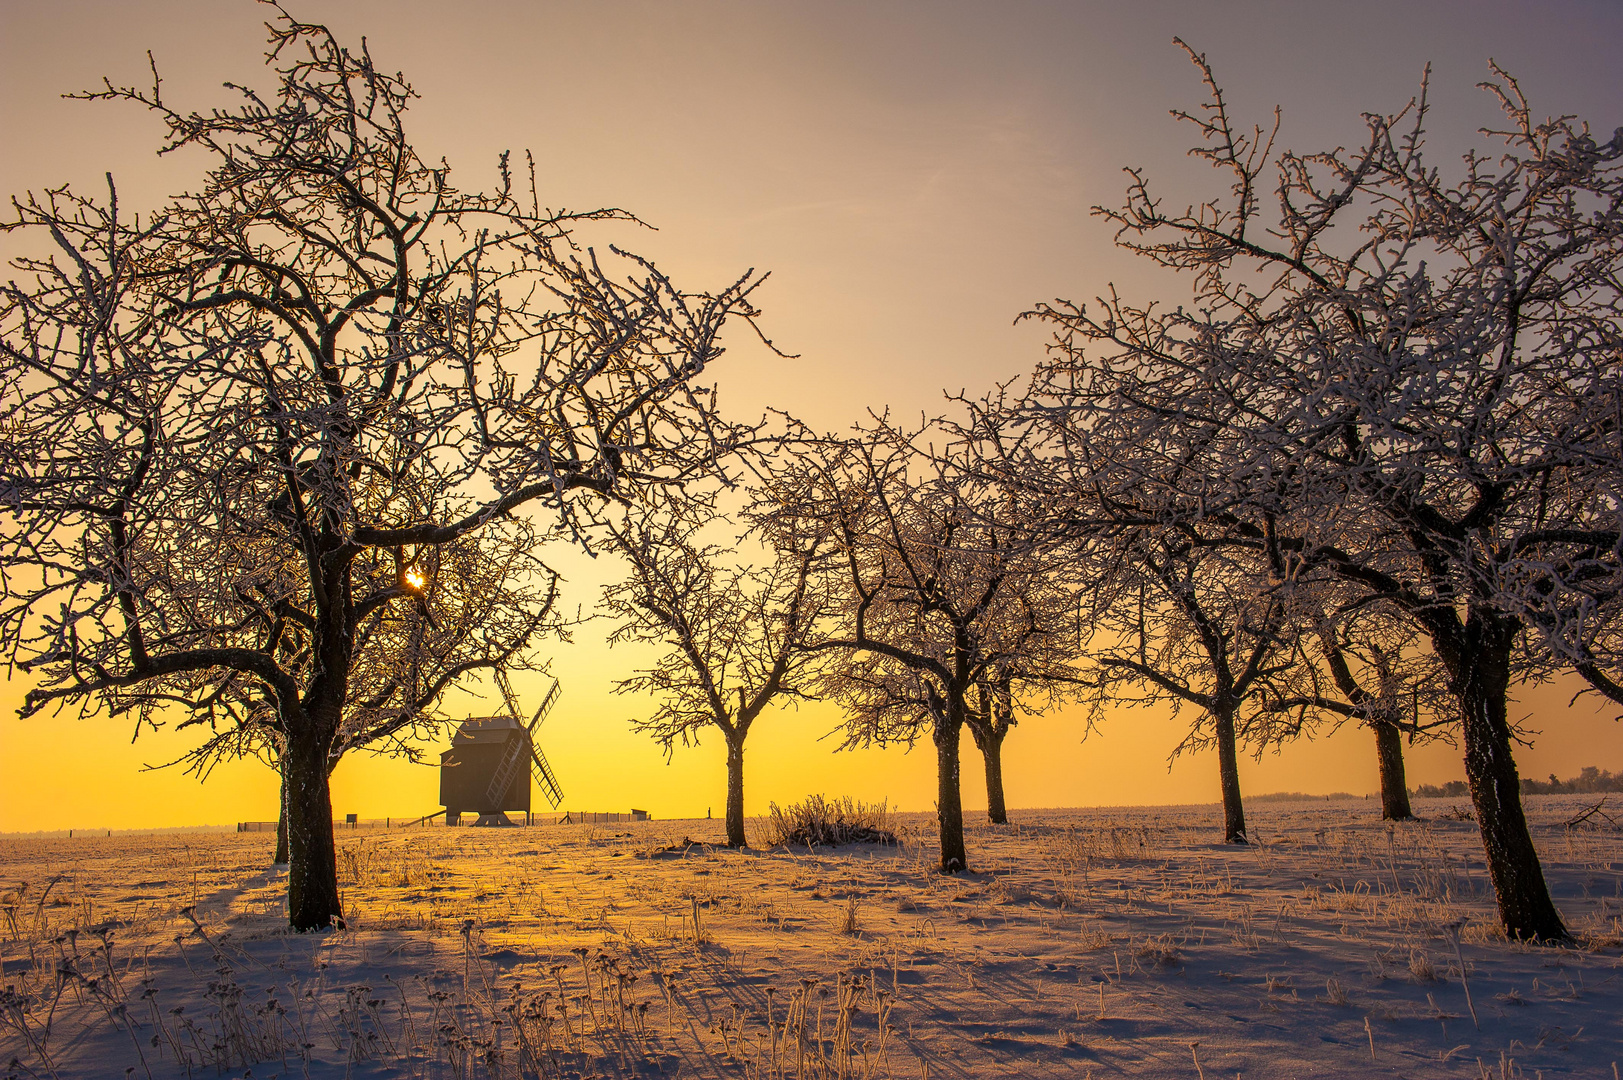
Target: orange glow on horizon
[(604, 766)]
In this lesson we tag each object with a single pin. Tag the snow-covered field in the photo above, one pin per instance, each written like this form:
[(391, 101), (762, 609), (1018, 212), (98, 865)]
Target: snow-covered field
[(1110, 942)]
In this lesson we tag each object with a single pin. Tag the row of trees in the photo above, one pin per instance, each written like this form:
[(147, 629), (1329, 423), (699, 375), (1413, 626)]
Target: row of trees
[(895, 583), (280, 459), (1395, 398), (1371, 472)]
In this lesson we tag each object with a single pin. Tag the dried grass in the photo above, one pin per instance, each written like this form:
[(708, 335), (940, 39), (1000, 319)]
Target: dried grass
[(1396, 893), (820, 822)]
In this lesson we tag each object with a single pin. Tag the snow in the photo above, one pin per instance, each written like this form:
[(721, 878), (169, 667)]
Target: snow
[(1111, 942)]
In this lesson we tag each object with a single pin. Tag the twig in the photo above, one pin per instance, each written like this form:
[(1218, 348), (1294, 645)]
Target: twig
[(1591, 812)]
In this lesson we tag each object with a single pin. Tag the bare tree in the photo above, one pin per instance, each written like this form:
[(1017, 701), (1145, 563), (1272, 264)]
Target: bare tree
[(989, 724), (1039, 669), (933, 596), (736, 637), (1190, 600), (268, 447), (1422, 401), (1368, 664), (483, 602), (1180, 618)]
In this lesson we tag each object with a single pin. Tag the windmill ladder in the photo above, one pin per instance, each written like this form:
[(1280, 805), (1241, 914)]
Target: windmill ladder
[(505, 771)]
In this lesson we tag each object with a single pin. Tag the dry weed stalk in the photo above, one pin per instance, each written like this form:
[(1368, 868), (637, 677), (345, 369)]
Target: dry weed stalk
[(849, 925)]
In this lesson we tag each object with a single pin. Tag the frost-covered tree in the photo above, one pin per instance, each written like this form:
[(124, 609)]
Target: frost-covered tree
[(1408, 382), (736, 635), (1179, 617), (278, 453), (933, 593), (989, 723), (1367, 663)]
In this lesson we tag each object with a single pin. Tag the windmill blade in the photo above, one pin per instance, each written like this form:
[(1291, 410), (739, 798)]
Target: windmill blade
[(507, 694), (544, 776), (546, 706)]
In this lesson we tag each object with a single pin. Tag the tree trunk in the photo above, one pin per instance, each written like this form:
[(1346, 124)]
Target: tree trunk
[(735, 794), (281, 819), (1525, 910), (312, 880), (1229, 770), (1394, 789), (949, 800), (992, 751)]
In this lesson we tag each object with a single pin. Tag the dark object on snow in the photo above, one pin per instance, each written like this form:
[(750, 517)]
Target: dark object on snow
[(1585, 816), (679, 849)]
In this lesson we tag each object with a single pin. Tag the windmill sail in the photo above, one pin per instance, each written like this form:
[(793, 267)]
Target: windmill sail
[(512, 760), (546, 707), (544, 776), (538, 761)]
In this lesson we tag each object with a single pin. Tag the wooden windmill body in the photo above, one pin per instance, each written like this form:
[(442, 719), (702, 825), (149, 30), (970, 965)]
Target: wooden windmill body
[(488, 768)]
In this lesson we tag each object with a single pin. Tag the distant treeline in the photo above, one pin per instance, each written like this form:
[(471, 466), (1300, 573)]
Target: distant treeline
[(1297, 796), (1591, 781)]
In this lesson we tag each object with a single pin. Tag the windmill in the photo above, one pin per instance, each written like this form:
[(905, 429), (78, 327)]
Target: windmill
[(488, 768)]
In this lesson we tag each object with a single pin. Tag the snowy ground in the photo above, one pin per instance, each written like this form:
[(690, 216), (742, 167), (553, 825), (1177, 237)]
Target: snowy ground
[(1111, 942)]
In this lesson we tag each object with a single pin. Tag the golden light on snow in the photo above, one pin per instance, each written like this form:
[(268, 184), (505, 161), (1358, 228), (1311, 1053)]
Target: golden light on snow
[(1125, 934)]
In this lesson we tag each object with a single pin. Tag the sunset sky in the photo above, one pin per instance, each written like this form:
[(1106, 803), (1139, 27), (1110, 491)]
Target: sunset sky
[(912, 174)]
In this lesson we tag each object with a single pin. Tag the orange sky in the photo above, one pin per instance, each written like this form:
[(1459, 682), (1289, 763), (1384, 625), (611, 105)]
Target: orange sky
[(913, 174)]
